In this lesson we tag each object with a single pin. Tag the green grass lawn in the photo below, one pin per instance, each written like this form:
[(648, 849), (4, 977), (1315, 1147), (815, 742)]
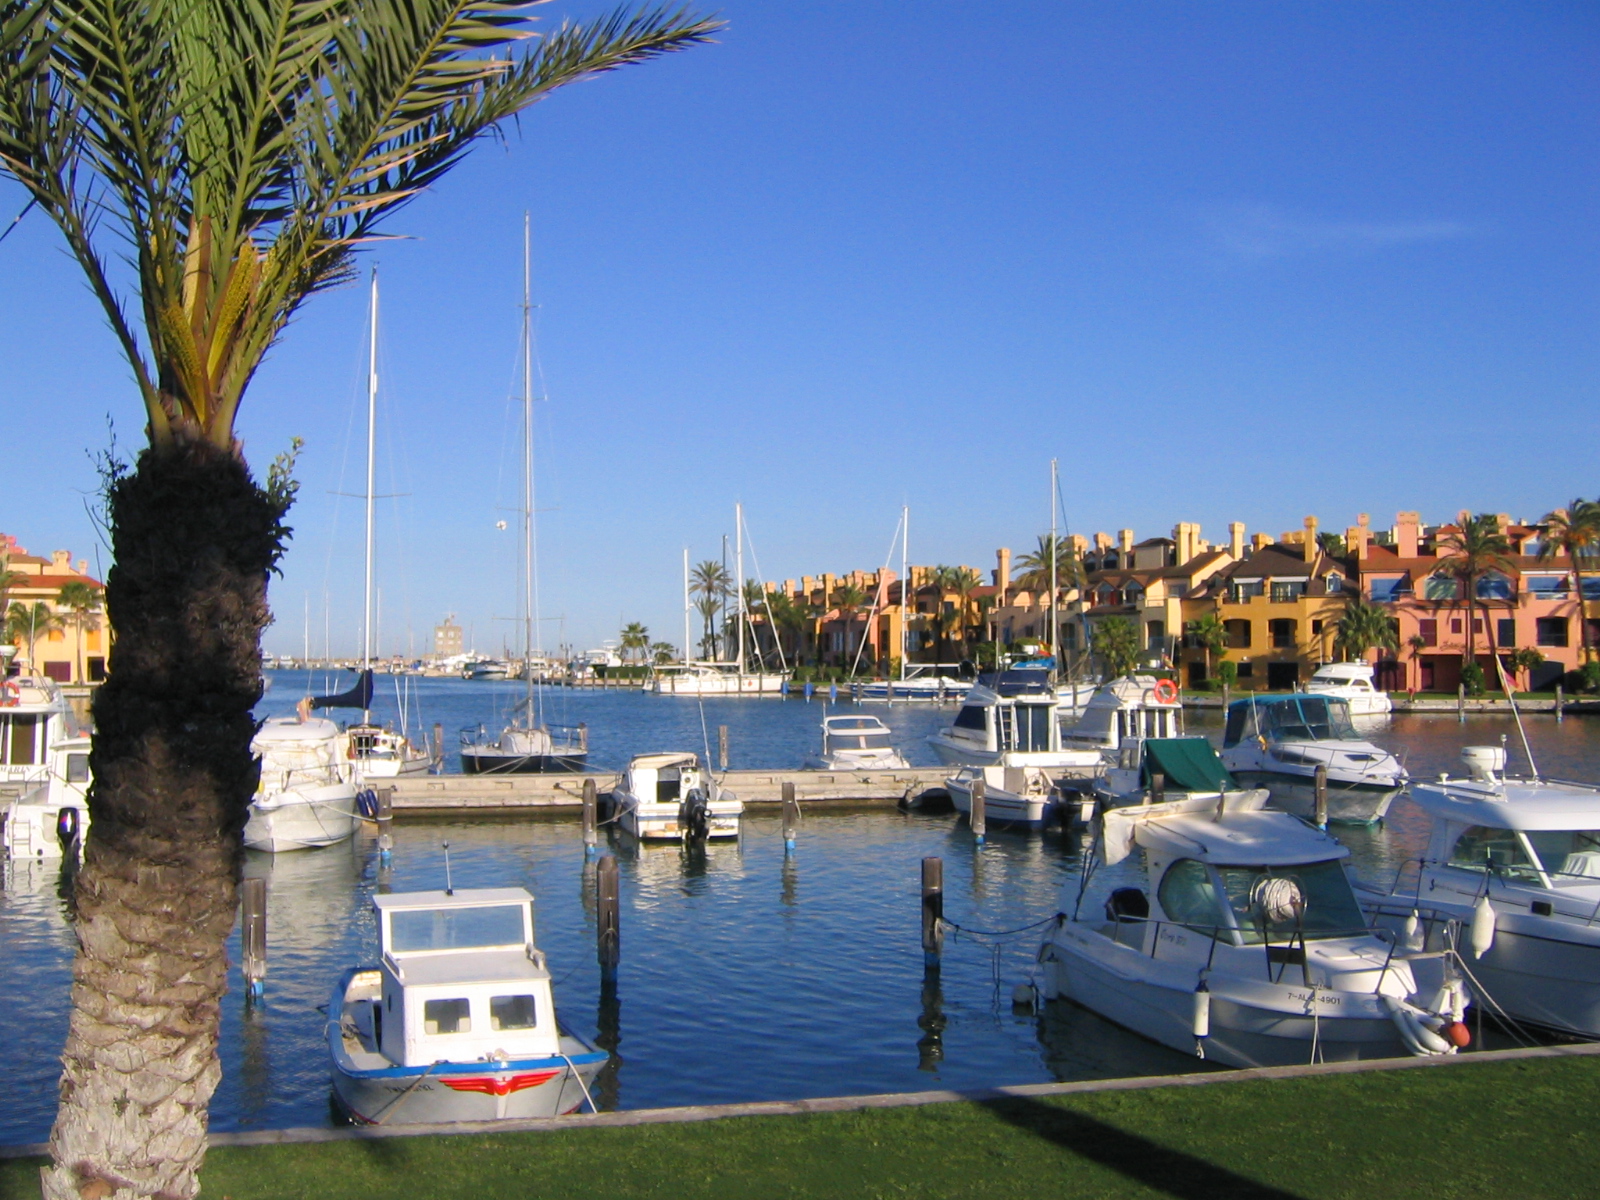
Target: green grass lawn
[(1514, 1130)]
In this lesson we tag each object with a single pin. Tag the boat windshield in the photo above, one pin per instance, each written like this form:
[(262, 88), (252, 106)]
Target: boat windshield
[(1565, 854), (474, 928), (1282, 903), (1308, 719)]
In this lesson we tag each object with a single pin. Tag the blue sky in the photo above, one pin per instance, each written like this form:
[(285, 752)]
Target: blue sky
[(1226, 262)]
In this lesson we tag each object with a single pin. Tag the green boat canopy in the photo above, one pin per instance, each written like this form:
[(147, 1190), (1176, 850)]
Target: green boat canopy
[(1190, 764)]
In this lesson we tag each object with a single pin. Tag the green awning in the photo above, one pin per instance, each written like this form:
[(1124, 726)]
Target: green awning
[(1190, 765)]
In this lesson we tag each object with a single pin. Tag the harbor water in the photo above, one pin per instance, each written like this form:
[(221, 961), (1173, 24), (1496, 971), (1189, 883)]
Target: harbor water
[(747, 973)]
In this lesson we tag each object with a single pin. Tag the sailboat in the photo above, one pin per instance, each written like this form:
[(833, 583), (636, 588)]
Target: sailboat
[(373, 750), (526, 745)]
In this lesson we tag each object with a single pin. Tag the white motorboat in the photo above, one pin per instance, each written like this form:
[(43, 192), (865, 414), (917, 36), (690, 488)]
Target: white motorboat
[(1513, 866), (1012, 724), (1352, 683), (1246, 945), (457, 1022), (715, 679), (1013, 797), (925, 689), (307, 793), (34, 716), (51, 819), (1278, 742), (1124, 712), (486, 668), (672, 797), (856, 743)]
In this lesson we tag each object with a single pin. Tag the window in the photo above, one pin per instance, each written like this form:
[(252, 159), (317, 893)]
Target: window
[(456, 928), (1550, 631), (970, 717), (1388, 588), (1279, 903), (1316, 628), (77, 768), (512, 1012), (1238, 634), (1428, 630), (1189, 897), (1242, 591), (1505, 633), (17, 740), (446, 1016), (1283, 632), (1284, 593), (1031, 727), (1335, 583), (1247, 670), (1494, 586), (1547, 587), (1591, 588), (1498, 850), (1567, 853), (1455, 624), (1441, 587)]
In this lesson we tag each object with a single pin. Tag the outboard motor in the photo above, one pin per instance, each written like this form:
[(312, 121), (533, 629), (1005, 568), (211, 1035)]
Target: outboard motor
[(694, 816), (1485, 763), (67, 830)]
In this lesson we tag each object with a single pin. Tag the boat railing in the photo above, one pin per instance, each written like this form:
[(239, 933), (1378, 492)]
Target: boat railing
[(570, 735)]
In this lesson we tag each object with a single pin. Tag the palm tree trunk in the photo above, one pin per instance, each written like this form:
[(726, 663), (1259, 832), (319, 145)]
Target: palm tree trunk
[(1583, 617), (193, 539)]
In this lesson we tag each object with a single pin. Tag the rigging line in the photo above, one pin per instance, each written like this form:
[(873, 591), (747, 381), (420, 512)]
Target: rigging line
[(879, 594), (766, 600), (998, 933)]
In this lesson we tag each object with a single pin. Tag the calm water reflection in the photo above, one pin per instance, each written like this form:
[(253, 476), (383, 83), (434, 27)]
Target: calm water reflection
[(746, 974)]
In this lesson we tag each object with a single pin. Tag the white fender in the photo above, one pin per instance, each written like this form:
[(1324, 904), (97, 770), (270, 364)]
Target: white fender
[(1481, 936), (1419, 1039), (1411, 933), (1202, 1011)]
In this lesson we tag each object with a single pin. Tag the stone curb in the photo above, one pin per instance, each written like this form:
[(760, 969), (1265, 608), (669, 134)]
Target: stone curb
[(828, 1104)]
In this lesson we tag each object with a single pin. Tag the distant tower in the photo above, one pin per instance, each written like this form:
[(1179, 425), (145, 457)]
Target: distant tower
[(447, 638)]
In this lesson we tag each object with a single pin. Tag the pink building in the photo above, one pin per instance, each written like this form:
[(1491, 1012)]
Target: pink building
[(1530, 604)]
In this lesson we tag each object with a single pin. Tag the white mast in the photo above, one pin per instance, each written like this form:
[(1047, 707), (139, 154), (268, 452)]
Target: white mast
[(905, 584), (738, 574), (686, 606), (372, 430), (527, 468), (1055, 557)]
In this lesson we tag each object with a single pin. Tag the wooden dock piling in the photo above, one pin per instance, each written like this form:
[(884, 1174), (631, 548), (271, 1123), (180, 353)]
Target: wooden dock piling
[(385, 825), (791, 817), (979, 817), (591, 806), (608, 927), (1320, 798), (1158, 787), (253, 940), (932, 911)]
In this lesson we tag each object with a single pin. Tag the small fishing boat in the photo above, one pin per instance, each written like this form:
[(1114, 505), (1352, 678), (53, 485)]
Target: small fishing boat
[(856, 743), (672, 797), (306, 796), (1351, 682), (457, 1022), (1013, 797), (1246, 945), (487, 668), (1512, 867), (1278, 742), (51, 818)]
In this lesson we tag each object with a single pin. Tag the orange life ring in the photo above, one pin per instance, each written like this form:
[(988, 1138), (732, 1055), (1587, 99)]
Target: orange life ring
[(1166, 691), (10, 693)]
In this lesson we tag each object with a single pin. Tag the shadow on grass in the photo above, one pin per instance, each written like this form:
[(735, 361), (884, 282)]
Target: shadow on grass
[(19, 1178), (1139, 1159)]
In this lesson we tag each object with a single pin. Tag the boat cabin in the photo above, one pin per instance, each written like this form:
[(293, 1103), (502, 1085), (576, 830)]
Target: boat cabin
[(663, 778), (1127, 709), (1293, 718), (854, 733), (461, 978), (34, 717), (295, 752), (1024, 722), (1351, 676)]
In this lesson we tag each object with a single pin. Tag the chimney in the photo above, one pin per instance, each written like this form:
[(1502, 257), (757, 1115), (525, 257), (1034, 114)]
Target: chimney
[(1311, 540), (1356, 536), (61, 560), (1125, 545), (1077, 543), (1261, 541), (1407, 533), (1002, 571), (1102, 541), (1187, 536), (1236, 540)]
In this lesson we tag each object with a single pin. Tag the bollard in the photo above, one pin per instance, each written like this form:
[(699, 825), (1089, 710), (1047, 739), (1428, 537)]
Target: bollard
[(1461, 703), (783, 689), (932, 912), (791, 817), (608, 929), (833, 693), (385, 824), (254, 939), (809, 689), (1561, 709), (722, 745), (978, 817), (1320, 803), (1158, 787), (591, 804), (1224, 697)]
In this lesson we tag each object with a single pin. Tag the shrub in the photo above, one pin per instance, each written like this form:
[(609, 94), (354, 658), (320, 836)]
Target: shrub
[(1227, 673), (1472, 678)]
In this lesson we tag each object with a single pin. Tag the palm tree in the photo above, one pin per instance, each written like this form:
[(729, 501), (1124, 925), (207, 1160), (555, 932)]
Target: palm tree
[(791, 620), (1210, 632), (847, 601), (232, 158), (25, 622), (1476, 547), (1033, 570), (1362, 626), (1575, 532), (634, 636), (1117, 640), (662, 652), (708, 607), (82, 603), (710, 583)]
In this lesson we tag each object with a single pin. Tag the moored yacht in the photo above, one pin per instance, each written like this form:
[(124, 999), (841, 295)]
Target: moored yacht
[(1352, 683), (1162, 770), (1278, 742), (856, 743), (457, 1021), (1513, 867), (34, 716), (672, 797), (50, 819), (306, 796), (1012, 723), (1245, 945), (1013, 797), (715, 679), (526, 746)]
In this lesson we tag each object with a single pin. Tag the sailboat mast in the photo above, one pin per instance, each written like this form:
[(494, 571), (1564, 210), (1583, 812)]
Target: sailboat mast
[(738, 574), (527, 462), (372, 439), (905, 584), (686, 606), (1055, 557)]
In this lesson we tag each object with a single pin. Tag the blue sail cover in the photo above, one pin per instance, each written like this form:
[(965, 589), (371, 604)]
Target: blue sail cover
[(359, 696)]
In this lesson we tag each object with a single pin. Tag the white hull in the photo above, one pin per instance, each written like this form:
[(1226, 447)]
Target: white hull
[(659, 822), (719, 685), (302, 819), (31, 825), (1001, 807), (925, 691), (1071, 764), (857, 760), (1348, 804)]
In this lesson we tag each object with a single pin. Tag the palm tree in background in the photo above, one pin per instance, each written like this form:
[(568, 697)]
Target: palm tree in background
[(710, 584), (1210, 633), (82, 605), (1363, 626), (662, 652), (26, 622), (963, 581), (847, 600), (1575, 532), (791, 621), (1032, 571), (1117, 641), (232, 158), (1476, 547), (634, 636)]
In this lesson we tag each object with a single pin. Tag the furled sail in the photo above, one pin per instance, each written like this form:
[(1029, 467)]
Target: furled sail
[(359, 696)]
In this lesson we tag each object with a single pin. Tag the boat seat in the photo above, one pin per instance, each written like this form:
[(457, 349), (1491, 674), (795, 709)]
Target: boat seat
[(1582, 862)]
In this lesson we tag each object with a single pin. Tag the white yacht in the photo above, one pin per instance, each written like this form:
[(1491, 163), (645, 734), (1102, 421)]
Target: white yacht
[(1352, 683), (307, 793), (1278, 742), (1013, 797), (1245, 945), (926, 689), (856, 743), (1126, 711), (526, 746), (672, 797), (34, 716), (457, 1020), (51, 819), (715, 679), (1513, 867)]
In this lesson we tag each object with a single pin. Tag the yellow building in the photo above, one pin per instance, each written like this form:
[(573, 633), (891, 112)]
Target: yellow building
[(48, 637), (1280, 604)]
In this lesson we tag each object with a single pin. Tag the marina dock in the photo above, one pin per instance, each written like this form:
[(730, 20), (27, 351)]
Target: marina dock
[(517, 793)]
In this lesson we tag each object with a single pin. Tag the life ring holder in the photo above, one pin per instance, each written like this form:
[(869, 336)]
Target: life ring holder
[(1166, 692)]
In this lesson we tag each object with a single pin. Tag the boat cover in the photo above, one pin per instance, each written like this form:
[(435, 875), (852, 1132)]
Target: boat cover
[(1190, 764), (359, 696)]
